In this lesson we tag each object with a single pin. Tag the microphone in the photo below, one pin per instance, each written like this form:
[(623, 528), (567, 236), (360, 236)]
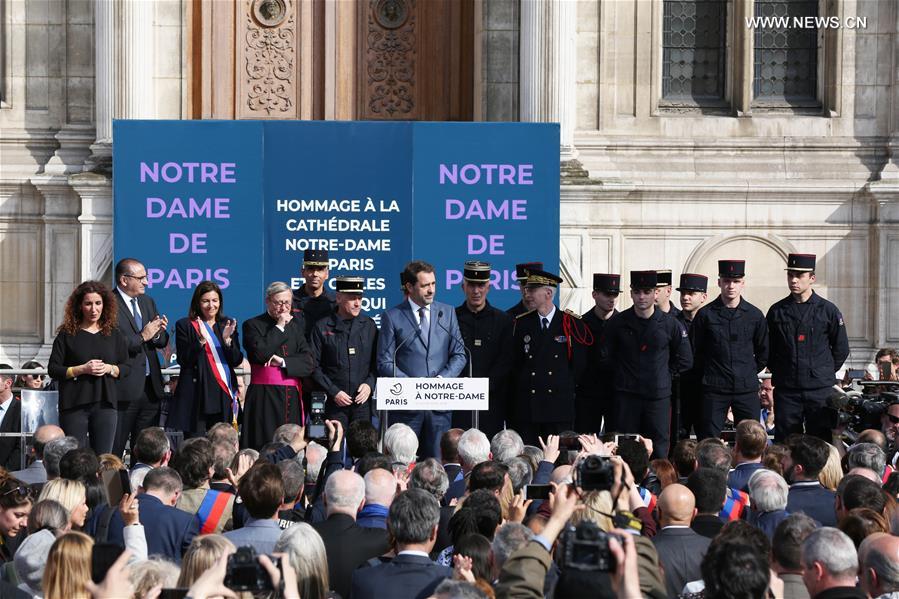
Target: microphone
[(397, 349), (465, 347)]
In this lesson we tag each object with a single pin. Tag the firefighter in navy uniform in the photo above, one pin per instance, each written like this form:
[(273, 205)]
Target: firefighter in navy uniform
[(647, 346), (487, 332), (594, 391), (663, 298), (549, 355), (521, 275), (730, 340), (343, 344), (808, 345), (312, 301), (687, 390)]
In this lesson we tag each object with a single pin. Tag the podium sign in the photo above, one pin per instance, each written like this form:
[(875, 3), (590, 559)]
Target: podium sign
[(432, 394)]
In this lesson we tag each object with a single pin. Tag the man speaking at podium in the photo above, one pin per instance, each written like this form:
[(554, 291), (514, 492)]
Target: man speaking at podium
[(421, 338)]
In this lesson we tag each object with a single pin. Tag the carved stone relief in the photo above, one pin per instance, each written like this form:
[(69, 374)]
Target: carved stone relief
[(269, 60), (390, 60)]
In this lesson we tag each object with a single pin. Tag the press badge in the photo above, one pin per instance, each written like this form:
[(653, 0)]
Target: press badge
[(477, 343), (352, 351)]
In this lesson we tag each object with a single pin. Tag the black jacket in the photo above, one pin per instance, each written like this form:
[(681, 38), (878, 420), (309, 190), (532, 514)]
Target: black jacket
[(646, 354), (596, 381), (11, 447), (545, 376), (730, 347), (488, 337), (407, 576), (345, 353), (680, 552), (141, 353), (312, 308), (808, 345), (348, 546)]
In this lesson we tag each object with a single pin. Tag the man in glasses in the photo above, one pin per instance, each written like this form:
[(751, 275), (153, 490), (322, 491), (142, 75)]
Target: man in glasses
[(10, 422), (140, 323)]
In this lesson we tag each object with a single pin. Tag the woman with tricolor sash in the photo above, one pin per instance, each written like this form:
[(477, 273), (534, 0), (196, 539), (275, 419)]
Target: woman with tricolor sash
[(208, 352)]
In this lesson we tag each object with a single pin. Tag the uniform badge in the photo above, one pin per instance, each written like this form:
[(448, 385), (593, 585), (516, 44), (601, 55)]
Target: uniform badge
[(527, 338), (561, 339), (840, 317), (527, 348), (477, 343), (352, 351)]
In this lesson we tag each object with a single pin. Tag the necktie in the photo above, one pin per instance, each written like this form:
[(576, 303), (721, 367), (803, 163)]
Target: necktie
[(545, 323), (423, 324), (140, 326)]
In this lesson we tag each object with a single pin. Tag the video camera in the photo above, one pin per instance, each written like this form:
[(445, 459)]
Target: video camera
[(586, 547), (316, 429), (857, 411)]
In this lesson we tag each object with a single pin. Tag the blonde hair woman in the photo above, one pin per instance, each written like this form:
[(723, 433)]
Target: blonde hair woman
[(203, 553), (832, 473), (68, 567), (306, 552), (71, 495)]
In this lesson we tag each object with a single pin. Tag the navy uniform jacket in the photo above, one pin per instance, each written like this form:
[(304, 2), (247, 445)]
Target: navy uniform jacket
[(407, 576), (813, 500), (345, 355), (596, 381), (689, 378), (312, 308), (647, 354), (545, 378), (488, 337), (169, 531), (730, 346), (808, 345)]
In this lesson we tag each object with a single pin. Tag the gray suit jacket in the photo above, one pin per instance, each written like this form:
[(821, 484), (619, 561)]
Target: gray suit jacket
[(34, 474), (680, 552), (441, 354)]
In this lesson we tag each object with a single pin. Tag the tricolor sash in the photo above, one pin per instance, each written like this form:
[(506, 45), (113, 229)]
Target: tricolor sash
[(211, 510), (217, 363)]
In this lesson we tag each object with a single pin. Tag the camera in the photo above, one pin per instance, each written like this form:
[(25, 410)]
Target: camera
[(595, 473), (245, 573), (586, 547), (316, 429), (858, 411)]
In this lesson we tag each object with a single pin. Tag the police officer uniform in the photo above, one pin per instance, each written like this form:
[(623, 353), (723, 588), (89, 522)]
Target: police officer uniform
[(645, 353), (549, 355), (311, 308), (808, 345), (488, 337), (594, 392), (345, 357), (687, 386), (521, 275), (666, 279), (731, 348)]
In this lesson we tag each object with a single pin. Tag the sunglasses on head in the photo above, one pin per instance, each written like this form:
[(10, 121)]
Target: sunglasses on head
[(893, 419), (21, 491)]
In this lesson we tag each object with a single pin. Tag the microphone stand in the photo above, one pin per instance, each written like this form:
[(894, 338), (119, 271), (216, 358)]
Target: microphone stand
[(385, 423)]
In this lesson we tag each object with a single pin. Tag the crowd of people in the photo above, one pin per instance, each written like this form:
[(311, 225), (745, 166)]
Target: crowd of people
[(600, 469)]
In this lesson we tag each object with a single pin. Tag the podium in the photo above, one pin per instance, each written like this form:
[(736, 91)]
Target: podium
[(38, 408), (426, 393)]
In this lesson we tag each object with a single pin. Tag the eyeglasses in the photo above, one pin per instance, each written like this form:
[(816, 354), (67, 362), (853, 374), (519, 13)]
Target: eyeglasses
[(142, 278), (21, 491), (280, 304), (893, 419)]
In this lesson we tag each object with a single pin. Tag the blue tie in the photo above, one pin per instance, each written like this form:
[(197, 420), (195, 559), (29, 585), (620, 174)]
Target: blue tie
[(140, 326), (425, 326)]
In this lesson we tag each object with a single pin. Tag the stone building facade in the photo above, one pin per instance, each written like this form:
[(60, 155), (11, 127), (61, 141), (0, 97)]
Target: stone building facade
[(686, 134)]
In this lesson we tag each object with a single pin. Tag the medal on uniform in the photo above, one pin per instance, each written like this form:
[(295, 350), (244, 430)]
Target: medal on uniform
[(561, 339), (527, 338)]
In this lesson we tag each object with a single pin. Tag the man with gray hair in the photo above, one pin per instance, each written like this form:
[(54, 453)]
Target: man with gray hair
[(878, 557), (53, 452), (830, 565), (279, 357), (509, 538), (429, 475), (413, 525), (474, 448), (505, 445), (37, 472), (380, 489), (400, 445), (866, 455), (347, 544), (768, 493)]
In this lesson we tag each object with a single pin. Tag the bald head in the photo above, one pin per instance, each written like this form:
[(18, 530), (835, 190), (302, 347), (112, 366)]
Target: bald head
[(561, 474), (344, 493), (878, 557), (874, 436), (43, 435), (676, 506), (380, 487)]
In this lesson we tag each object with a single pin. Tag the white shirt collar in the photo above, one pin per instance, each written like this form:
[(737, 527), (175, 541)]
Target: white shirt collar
[(415, 308), (413, 552), (806, 483), (549, 316)]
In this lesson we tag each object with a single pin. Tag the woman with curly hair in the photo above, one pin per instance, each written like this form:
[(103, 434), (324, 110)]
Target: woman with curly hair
[(89, 356)]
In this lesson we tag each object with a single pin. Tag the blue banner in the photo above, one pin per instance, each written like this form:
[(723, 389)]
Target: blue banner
[(237, 202)]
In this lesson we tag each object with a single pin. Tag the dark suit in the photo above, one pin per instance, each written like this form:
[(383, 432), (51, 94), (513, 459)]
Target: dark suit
[(767, 521), (34, 474), (169, 531), (403, 351), (739, 476), (139, 393), (348, 546), (680, 552), (404, 577), (707, 525), (814, 501), (11, 447)]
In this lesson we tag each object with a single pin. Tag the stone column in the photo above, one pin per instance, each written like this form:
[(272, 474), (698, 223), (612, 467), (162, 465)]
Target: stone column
[(104, 82), (548, 61)]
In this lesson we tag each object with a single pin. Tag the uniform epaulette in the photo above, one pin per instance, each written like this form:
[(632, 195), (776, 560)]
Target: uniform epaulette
[(574, 314), (524, 314)]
